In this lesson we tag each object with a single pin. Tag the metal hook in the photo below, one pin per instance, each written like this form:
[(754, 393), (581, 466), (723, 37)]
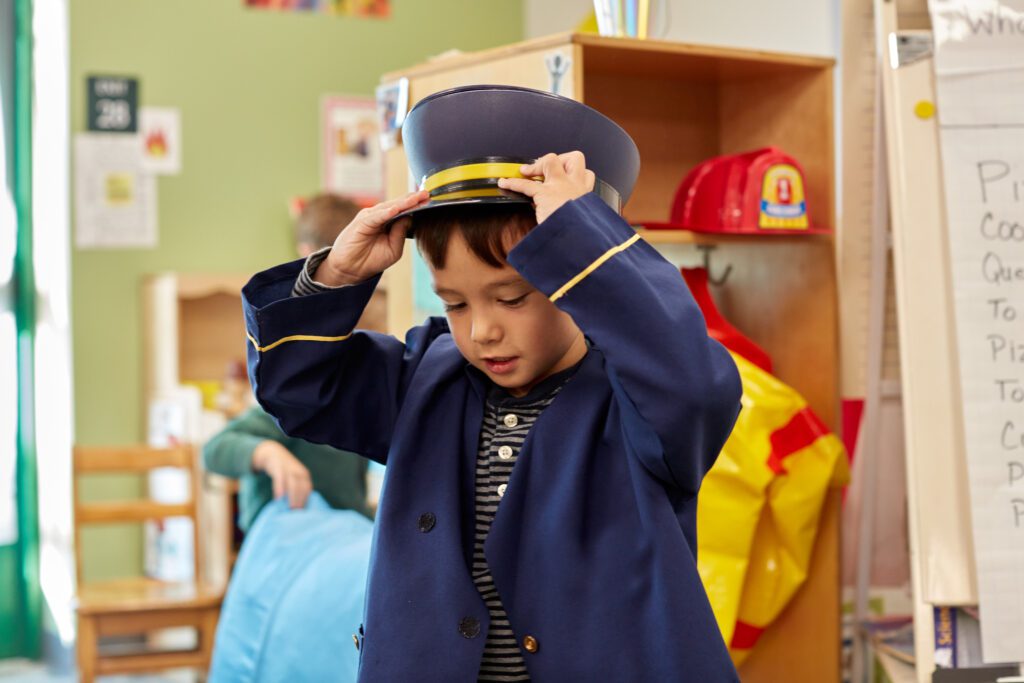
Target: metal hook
[(706, 249)]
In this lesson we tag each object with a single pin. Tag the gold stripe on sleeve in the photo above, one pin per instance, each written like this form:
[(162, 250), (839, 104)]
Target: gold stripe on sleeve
[(296, 337), (592, 267)]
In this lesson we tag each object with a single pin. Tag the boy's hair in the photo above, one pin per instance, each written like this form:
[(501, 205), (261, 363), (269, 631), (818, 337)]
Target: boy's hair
[(487, 229), (323, 217)]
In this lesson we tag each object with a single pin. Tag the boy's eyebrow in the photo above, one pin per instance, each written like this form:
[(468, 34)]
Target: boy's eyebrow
[(506, 283), (441, 291)]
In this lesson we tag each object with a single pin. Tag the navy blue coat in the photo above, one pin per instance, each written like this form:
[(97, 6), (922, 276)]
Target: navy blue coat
[(593, 546)]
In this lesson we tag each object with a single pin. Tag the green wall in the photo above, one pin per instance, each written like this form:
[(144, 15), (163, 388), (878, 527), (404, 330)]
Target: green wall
[(248, 84)]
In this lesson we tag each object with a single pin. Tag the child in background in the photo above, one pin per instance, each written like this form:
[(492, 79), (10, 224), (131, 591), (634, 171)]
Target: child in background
[(254, 450), (300, 577), (546, 443)]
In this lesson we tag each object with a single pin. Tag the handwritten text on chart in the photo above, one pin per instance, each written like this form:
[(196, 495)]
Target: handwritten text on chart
[(984, 176), (979, 77), (996, 184)]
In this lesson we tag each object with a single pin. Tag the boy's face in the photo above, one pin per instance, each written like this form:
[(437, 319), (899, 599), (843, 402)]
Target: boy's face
[(501, 324)]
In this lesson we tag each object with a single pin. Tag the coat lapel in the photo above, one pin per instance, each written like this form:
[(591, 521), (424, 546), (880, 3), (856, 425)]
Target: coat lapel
[(541, 470), (471, 427)]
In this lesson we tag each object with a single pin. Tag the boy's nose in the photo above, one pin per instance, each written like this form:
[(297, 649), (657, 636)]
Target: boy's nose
[(485, 331)]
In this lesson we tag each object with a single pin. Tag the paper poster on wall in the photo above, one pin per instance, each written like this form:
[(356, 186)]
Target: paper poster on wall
[(160, 140), (392, 106), (981, 130), (353, 164), (115, 198), (377, 9)]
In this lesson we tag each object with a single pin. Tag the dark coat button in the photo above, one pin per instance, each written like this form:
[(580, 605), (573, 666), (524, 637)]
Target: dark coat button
[(427, 521), (469, 627)]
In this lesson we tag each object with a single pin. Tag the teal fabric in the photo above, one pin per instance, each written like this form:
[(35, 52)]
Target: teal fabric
[(339, 476), (296, 597)]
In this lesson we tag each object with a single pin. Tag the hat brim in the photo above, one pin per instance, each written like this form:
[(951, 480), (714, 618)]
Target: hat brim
[(493, 195)]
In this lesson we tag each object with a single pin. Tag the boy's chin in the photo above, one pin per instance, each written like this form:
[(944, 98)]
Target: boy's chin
[(513, 382)]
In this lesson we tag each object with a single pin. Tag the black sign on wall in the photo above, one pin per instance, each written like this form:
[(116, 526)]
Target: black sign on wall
[(113, 104)]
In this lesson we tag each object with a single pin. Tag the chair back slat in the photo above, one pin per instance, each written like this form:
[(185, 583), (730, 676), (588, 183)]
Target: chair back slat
[(132, 459), (131, 511)]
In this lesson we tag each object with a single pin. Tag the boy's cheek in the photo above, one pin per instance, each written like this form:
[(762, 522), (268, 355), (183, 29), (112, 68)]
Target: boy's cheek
[(461, 336)]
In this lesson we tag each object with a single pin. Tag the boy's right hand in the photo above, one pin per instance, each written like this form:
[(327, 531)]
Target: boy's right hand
[(364, 249)]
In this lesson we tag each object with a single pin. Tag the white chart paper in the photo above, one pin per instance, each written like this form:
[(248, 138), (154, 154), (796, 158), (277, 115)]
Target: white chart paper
[(979, 66), (115, 198)]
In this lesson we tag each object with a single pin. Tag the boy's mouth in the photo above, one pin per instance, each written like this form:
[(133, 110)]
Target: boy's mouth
[(501, 365)]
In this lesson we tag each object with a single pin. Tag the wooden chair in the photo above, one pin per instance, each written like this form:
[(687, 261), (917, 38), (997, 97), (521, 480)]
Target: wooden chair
[(139, 605)]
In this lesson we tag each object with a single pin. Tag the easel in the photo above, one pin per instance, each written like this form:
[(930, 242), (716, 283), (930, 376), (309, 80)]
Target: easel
[(869, 444), (941, 547)]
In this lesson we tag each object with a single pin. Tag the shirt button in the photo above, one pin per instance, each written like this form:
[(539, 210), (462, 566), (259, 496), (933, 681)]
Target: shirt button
[(427, 521), (469, 627), (511, 420), (501, 490), (505, 452), (355, 641), (530, 644)]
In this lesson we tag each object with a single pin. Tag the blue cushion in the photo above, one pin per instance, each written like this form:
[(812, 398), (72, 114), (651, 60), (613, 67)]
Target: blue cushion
[(296, 597)]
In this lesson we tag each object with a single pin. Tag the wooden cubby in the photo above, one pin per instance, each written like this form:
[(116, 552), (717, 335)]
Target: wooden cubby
[(192, 329), (682, 104)]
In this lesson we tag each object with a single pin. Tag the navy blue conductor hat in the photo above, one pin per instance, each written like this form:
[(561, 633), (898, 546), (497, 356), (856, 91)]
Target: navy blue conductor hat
[(459, 142)]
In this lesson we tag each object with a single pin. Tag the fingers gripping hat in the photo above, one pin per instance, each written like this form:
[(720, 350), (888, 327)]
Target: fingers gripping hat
[(459, 142)]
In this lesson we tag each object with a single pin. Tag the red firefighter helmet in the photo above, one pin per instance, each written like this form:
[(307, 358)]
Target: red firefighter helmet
[(756, 192)]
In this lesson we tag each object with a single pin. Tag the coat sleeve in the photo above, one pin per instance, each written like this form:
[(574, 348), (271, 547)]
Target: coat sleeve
[(322, 380), (679, 390)]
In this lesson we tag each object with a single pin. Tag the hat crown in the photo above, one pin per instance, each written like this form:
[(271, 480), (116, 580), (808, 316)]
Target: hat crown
[(484, 122)]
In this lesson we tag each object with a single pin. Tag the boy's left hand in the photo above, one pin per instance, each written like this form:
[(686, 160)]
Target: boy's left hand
[(565, 177)]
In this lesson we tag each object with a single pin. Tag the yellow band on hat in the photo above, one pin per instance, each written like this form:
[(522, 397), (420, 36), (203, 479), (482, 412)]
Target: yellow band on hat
[(467, 194), (479, 171)]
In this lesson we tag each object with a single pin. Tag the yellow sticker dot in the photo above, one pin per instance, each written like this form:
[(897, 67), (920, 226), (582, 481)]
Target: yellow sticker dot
[(924, 109)]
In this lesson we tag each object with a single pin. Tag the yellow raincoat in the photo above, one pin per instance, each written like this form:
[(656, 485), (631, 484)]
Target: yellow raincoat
[(759, 507)]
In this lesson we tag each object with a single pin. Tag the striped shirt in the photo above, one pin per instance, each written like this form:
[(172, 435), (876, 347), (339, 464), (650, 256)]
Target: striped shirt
[(507, 421), (305, 284)]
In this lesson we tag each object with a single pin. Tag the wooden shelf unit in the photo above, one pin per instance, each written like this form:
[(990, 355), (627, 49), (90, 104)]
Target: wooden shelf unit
[(682, 104), (713, 240), (192, 330)]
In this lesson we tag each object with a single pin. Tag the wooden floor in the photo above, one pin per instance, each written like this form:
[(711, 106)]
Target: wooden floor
[(35, 672)]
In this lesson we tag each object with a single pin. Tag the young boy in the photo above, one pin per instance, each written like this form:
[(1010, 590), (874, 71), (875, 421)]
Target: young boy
[(546, 444)]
